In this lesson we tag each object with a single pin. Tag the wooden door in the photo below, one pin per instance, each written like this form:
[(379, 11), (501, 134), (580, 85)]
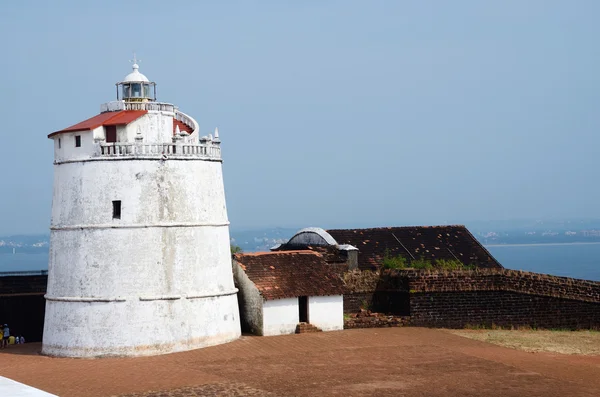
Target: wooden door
[(111, 133)]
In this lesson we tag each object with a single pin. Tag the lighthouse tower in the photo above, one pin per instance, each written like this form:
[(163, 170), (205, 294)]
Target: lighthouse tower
[(140, 261)]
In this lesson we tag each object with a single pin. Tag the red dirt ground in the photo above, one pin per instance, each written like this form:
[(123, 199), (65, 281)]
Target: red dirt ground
[(363, 362)]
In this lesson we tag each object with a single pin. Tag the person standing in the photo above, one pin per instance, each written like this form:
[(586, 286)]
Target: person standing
[(5, 336)]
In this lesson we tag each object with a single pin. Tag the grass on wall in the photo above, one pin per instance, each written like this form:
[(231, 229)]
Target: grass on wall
[(400, 262)]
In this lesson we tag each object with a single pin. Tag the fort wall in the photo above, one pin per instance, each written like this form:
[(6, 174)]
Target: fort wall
[(482, 297), (22, 305)]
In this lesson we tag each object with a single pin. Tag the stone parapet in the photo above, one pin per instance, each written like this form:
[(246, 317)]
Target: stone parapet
[(414, 281), (209, 150), (481, 297)]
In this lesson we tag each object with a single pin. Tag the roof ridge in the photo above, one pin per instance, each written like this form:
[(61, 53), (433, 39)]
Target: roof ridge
[(402, 227), (264, 253)]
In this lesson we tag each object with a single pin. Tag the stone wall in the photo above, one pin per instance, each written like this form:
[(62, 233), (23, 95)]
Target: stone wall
[(482, 297), (22, 305), (504, 280), (385, 292), (501, 308), (23, 285), (355, 301)]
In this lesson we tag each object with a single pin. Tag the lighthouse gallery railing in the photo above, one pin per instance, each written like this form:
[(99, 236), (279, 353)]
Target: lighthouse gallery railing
[(160, 149)]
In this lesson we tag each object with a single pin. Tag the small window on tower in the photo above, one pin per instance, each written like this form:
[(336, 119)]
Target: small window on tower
[(117, 209), (59, 143), (77, 140)]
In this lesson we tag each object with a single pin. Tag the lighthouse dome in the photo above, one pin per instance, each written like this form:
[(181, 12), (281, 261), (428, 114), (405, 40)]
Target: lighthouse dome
[(135, 75), (136, 87)]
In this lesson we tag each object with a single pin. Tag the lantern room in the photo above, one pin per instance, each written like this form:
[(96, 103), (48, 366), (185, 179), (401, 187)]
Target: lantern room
[(136, 87)]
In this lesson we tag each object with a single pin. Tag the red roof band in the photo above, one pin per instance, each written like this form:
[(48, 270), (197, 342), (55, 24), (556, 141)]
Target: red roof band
[(122, 117)]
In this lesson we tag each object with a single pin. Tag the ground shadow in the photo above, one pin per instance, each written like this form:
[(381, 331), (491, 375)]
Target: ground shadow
[(26, 349)]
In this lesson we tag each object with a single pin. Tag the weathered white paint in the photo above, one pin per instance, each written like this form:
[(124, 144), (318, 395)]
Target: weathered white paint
[(9, 387), (158, 279), (280, 316), (66, 149), (154, 126), (326, 312), (250, 302)]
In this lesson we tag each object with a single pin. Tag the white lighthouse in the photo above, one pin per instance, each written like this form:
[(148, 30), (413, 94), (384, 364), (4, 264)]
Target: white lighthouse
[(140, 260)]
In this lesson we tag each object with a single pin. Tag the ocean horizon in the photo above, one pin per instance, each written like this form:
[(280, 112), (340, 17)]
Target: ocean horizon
[(576, 260)]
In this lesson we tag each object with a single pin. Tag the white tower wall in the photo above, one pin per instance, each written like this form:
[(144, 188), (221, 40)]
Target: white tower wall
[(156, 277), (157, 280)]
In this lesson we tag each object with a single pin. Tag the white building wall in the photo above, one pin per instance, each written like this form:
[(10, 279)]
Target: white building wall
[(66, 149), (280, 316), (155, 126), (157, 280), (326, 312)]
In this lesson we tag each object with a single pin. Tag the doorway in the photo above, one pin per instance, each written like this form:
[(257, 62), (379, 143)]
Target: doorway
[(111, 133), (303, 306)]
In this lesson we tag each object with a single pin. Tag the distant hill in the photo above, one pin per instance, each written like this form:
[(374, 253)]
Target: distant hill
[(261, 239), (35, 243), (487, 232), (249, 241)]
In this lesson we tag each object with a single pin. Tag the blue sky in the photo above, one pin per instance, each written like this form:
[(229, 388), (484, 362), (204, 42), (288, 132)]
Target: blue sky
[(331, 113)]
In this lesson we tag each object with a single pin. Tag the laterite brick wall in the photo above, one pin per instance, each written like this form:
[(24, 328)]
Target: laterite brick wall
[(482, 297)]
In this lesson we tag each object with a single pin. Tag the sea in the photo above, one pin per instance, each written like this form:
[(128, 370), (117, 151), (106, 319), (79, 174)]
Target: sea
[(577, 260)]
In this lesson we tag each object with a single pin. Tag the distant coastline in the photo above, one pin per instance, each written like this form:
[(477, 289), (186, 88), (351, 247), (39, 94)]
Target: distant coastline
[(540, 244)]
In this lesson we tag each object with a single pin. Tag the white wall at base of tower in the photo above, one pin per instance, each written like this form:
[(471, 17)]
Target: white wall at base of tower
[(155, 280), (138, 328)]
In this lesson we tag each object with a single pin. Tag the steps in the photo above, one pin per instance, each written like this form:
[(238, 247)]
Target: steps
[(304, 328), (182, 126)]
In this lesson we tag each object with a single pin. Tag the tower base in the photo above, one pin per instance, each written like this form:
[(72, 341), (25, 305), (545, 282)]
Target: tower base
[(138, 327)]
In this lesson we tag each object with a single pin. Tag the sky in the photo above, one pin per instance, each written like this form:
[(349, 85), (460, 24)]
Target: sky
[(331, 113)]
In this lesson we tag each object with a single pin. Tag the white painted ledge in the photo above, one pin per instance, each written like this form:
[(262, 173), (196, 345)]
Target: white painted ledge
[(141, 298), (9, 387), (160, 298), (140, 226), (225, 293), (83, 299)]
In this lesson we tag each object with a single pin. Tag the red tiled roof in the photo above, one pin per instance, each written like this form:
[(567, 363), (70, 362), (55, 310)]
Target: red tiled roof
[(289, 274), (108, 118), (428, 242), (182, 126)]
